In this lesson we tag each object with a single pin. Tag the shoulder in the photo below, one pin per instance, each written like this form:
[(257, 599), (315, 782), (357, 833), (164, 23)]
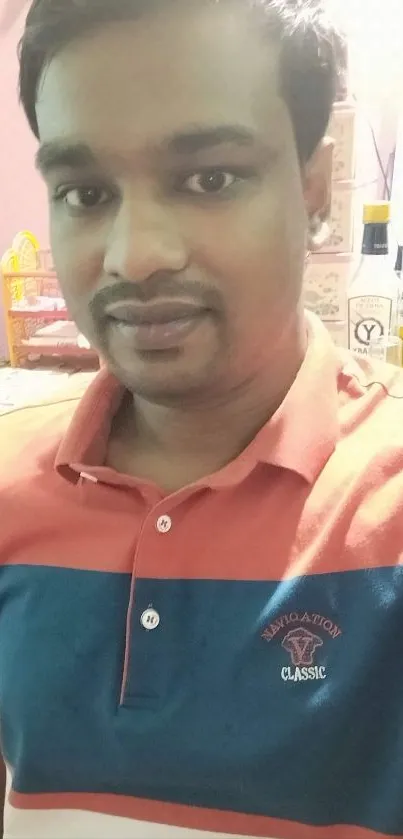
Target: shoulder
[(371, 401), (362, 482), (33, 496)]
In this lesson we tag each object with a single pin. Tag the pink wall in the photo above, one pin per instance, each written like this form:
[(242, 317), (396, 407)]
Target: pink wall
[(23, 204)]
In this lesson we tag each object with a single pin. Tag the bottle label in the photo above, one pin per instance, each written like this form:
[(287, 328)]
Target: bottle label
[(369, 321)]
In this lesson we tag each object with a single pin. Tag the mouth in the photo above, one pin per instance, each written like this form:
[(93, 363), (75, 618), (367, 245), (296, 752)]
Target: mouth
[(155, 327)]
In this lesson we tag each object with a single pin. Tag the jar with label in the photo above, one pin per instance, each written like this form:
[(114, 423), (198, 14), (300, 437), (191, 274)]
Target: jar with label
[(373, 294), (391, 346)]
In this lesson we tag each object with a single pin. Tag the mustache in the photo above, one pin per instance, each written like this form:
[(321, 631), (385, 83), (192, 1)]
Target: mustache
[(155, 287)]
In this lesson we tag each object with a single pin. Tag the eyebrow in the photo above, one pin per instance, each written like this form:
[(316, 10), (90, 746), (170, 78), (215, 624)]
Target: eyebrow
[(191, 142), (57, 154)]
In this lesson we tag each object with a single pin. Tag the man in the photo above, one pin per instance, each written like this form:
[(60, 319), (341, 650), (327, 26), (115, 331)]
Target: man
[(201, 588)]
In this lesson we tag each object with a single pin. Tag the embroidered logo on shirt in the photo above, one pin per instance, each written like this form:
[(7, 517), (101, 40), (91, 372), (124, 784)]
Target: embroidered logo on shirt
[(301, 644)]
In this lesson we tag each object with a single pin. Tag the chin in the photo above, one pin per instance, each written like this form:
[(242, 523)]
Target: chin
[(165, 386)]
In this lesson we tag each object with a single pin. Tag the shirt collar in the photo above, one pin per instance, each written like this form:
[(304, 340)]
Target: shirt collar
[(303, 433), (300, 437)]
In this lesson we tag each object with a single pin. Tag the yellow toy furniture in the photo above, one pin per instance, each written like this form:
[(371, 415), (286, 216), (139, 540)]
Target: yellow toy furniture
[(37, 321)]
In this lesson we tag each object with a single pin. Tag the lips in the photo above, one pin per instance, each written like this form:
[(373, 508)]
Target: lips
[(156, 314), (154, 327)]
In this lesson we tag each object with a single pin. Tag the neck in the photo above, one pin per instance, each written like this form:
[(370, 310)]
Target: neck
[(192, 441)]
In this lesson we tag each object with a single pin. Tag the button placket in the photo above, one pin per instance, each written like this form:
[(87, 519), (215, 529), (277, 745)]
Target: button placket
[(145, 671)]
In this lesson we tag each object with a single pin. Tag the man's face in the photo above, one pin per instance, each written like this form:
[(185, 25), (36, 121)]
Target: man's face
[(178, 220)]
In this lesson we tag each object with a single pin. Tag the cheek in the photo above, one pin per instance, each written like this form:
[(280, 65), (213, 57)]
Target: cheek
[(256, 256), (78, 260)]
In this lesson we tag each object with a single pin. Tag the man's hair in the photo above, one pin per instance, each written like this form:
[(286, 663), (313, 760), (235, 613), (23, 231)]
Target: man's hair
[(310, 51)]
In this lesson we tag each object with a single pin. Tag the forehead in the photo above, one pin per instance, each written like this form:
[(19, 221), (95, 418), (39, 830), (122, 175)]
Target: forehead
[(140, 81)]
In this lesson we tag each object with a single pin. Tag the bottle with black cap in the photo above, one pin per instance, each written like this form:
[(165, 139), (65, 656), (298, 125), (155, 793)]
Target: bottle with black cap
[(373, 294)]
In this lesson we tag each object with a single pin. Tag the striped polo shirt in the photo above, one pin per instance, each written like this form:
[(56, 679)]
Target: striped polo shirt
[(223, 661)]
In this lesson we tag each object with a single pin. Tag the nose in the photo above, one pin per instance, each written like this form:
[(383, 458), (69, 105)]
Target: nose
[(142, 241)]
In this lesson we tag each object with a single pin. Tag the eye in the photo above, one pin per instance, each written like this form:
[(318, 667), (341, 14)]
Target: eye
[(210, 182), (83, 198)]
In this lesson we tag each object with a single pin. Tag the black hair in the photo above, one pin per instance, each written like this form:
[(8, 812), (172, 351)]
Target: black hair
[(310, 52)]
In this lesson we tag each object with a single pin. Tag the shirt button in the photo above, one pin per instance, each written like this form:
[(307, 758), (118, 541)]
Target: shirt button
[(164, 524), (150, 619)]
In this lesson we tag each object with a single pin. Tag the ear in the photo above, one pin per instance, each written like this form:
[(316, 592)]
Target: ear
[(317, 187)]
